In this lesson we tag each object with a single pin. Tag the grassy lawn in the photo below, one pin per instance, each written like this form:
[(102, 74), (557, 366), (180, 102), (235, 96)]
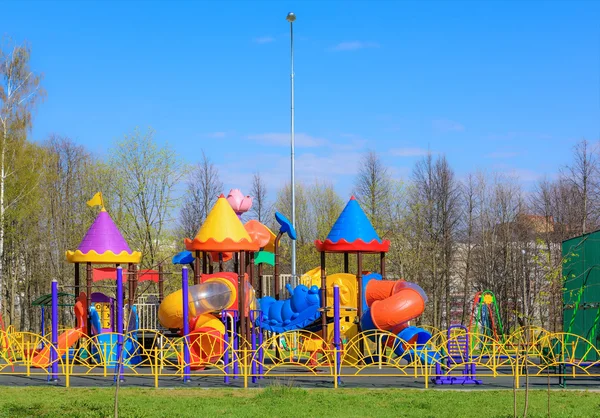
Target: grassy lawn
[(279, 401)]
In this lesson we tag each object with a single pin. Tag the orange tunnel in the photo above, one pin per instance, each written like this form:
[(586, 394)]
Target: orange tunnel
[(393, 303)]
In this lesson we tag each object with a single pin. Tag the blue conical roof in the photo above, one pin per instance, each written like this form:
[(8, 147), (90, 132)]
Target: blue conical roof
[(353, 225)]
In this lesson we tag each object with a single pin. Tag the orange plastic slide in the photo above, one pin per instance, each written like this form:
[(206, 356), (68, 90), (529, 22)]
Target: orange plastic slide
[(68, 338), (205, 340), (393, 303)]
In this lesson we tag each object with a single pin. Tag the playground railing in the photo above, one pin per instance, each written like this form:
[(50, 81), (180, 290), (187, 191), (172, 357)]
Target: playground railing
[(153, 358)]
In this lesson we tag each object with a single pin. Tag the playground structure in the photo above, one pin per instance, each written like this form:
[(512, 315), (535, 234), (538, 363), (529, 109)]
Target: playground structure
[(485, 316), (581, 295), (221, 325), (380, 305)]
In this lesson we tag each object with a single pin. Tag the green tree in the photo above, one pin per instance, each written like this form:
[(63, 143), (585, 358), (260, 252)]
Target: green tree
[(326, 205), (144, 177), (20, 92)]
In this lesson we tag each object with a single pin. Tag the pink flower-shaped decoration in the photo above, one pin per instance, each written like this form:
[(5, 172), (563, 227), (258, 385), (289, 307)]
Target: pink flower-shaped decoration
[(239, 202)]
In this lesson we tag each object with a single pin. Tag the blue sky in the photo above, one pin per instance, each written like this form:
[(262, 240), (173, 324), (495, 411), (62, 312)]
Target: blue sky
[(503, 86)]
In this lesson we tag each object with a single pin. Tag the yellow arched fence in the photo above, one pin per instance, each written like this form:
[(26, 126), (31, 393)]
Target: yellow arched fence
[(300, 355)]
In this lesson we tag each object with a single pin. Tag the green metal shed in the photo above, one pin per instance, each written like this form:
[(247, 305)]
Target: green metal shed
[(581, 296)]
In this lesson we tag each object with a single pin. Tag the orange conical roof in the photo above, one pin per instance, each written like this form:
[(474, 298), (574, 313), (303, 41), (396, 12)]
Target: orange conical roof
[(222, 231)]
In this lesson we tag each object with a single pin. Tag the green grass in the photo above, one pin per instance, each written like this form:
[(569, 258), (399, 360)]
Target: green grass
[(279, 401)]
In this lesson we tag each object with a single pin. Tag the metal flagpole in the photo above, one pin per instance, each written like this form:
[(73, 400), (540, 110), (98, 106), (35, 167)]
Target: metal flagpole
[(291, 17)]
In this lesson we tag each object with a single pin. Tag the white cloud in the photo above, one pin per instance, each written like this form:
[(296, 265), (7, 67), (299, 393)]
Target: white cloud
[(283, 139), (264, 40), (524, 174), (216, 134), (446, 125), (335, 167), (409, 152), (354, 45), (516, 135), (501, 154), (352, 143)]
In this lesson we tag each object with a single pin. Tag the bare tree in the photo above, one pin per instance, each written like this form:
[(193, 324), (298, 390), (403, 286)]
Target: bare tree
[(404, 232), (436, 195), (372, 188), (66, 189), (583, 176), (470, 203), (260, 204), (203, 189), (448, 195)]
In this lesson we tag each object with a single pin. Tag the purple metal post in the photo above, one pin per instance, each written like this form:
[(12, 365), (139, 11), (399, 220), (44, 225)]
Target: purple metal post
[(253, 322), (43, 322), (261, 351), (54, 351), (229, 341), (186, 324), (336, 329), (457, 352), (226, 342), (257, 342), (236, 344), (119, 374), (43, 325)]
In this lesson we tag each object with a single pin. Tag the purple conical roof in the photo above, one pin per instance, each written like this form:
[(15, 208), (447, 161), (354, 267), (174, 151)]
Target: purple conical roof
[(103, 236)]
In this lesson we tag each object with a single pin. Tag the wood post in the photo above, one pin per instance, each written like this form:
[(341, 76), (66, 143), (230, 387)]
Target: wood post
[(77, 290), (259, 288), (323, 298), (250, 268), (88, 285), (382, 265), (204, 262), (276, 267), (161, 283), (359, 276), (197, 267), (77, 284), (241, 293), (130, 280)]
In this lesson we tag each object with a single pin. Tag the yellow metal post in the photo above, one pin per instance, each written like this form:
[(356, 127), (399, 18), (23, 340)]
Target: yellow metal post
[(67, 374), (415, 360), (245, 366), (573, 358), (335, 368), (156, 362), (183, 358), (103, 358), (28, 363), (426, 371), (517, 384), (494, 359), (380, 350)]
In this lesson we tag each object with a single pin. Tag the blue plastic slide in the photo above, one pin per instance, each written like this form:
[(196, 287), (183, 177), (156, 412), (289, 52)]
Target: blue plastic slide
[(299, 311)]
